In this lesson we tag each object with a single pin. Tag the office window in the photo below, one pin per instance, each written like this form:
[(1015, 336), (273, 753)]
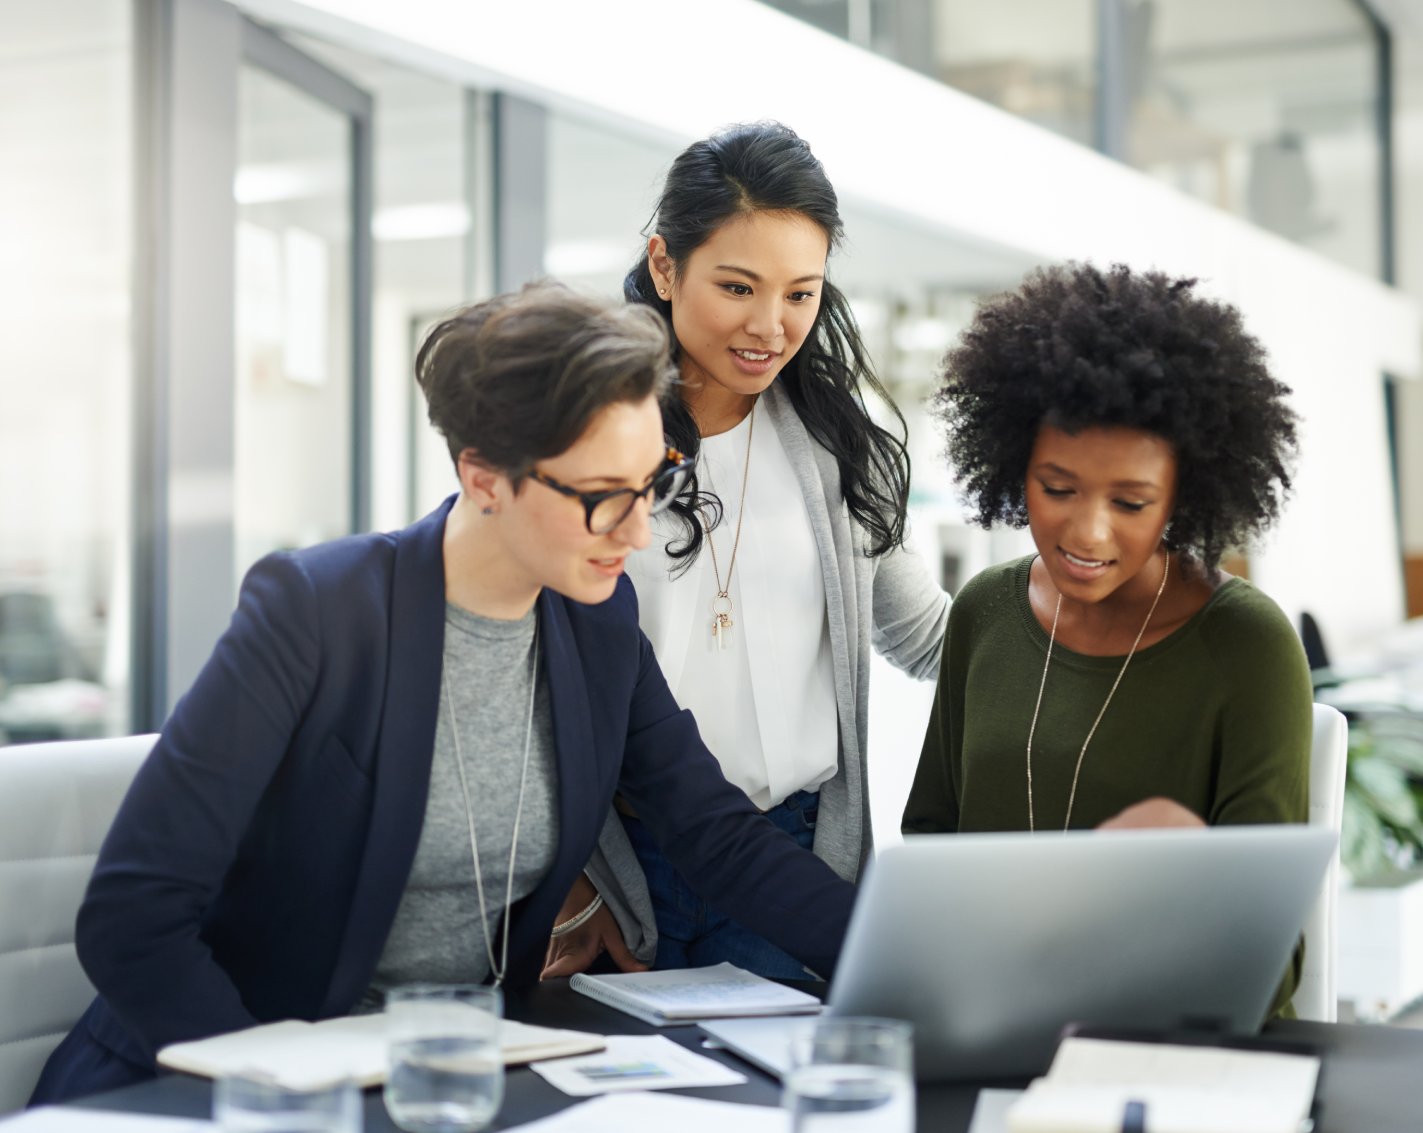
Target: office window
[(292, 415), (432, 255), (1268, 111), (602, 186), (65, 367)]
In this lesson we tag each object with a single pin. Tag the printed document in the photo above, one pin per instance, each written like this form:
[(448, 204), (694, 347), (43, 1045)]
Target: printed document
[(636, 1062)]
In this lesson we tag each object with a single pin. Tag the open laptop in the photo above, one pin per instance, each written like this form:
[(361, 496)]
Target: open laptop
[(991, 943)]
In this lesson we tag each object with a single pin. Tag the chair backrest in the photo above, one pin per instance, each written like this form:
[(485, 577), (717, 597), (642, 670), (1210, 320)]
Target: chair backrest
[(57, 801), (1316, 997)]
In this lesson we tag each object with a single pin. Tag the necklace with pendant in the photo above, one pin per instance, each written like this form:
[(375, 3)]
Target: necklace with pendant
[(721, 601), (1052, 637)]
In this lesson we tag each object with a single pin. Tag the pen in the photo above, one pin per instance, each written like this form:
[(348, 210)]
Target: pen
[(1134, 1117)]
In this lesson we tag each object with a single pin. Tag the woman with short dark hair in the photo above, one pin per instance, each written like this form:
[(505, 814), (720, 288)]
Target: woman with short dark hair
[(402, 750)]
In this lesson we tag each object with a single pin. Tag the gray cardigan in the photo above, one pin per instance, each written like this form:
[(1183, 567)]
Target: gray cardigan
[(888, 601)]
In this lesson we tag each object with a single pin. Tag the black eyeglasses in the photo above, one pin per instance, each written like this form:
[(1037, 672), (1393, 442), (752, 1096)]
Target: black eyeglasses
[(605, 510)]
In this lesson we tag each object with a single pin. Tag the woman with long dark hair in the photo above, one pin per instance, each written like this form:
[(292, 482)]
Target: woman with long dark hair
[(772, 576)]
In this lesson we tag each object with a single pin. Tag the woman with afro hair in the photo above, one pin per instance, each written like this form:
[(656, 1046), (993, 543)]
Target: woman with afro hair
[(1118, 676)]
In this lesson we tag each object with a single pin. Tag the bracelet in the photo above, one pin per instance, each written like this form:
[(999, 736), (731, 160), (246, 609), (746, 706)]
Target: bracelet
[(578, 918)]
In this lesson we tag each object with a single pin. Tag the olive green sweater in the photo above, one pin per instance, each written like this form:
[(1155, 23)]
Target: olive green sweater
[(1216, 716)]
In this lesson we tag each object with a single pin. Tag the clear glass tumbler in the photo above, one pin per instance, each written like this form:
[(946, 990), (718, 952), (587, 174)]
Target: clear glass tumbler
[(851, 1075), (262, 1105), (446, 1071)]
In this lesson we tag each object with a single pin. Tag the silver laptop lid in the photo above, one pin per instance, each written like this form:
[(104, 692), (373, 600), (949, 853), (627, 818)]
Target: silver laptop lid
[(991, 943)]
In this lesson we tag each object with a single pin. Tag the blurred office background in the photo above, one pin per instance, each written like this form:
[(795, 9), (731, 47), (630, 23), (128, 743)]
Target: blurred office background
[(224, 226)]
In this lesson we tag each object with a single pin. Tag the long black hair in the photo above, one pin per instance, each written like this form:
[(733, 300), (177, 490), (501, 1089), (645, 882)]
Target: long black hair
[(766, 167)]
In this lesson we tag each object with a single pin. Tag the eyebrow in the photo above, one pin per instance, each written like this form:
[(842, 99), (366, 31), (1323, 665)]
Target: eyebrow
[(611, 483), (1059, 470), (753, 276)]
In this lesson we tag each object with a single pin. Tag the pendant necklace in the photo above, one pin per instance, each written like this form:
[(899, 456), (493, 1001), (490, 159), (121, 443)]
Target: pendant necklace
[(1052, 637), (721, 602), (497, 970)]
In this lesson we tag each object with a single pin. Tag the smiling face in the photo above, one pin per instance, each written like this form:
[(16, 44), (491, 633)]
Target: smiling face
[(545, 533), (1098, 502), (743, 302)]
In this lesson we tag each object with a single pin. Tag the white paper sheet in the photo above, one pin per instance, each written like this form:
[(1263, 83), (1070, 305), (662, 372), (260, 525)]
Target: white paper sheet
[(619, 1113), (632, 1063), (990, 1112), (72, 1119)]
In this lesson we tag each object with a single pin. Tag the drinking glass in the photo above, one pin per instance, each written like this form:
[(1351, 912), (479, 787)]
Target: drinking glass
[(446, 1072), (256, 1104), (851, 1075)]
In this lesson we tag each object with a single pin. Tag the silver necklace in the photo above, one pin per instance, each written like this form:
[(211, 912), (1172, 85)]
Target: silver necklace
[(1052, 637), (499, 970), (721, 602)]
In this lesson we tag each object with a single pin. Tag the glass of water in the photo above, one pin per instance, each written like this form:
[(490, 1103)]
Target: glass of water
[(255, 1104), (446, 1072), (851, 1075)]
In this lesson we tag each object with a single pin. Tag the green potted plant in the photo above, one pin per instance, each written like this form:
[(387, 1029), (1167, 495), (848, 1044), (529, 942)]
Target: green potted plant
[(1383, 794), (1379, 962)]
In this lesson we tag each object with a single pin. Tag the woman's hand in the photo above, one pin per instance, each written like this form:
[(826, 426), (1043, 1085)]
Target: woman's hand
[(1153, 812), (575, 951)]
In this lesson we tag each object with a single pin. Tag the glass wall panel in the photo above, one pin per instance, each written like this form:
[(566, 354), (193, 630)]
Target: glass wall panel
[(1268, 111), (66, 136), (1033, 58), (292, 416), (602, 187), (431, 256)]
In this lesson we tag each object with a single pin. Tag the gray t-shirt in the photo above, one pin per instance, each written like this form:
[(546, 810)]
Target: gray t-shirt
[(436, 936)]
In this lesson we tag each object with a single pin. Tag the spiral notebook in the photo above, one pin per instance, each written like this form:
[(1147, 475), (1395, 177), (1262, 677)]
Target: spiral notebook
[(688, 994)]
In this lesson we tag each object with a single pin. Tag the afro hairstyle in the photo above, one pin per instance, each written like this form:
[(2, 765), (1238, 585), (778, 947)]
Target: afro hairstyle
[(1078, 347)]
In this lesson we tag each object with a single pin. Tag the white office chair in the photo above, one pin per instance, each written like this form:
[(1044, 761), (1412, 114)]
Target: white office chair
[(1316, 997), (57, 801)]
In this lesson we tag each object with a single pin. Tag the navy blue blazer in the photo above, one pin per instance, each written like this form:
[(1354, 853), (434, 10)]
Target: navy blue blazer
[(255, 866)]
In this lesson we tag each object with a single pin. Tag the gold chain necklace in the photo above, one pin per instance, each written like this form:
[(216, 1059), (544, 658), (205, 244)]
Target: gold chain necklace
[(721, 602), (1052, 637)]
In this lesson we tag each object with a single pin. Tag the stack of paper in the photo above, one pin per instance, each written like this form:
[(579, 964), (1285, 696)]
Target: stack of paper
[(1100, 1086), (688, 994), (304, 1055)]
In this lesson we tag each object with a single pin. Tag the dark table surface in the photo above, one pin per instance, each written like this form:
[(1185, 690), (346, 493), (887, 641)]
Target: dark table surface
[(1369, 1084)]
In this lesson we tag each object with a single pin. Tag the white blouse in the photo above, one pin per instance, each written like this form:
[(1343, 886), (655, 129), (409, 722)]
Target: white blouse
[(764, 700)]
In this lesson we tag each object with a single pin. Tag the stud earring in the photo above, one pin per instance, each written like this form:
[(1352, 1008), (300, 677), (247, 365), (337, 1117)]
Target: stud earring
[(662, 291), (487, 510)]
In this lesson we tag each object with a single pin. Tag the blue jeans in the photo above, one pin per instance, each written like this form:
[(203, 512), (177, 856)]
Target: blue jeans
[(690, 932)]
